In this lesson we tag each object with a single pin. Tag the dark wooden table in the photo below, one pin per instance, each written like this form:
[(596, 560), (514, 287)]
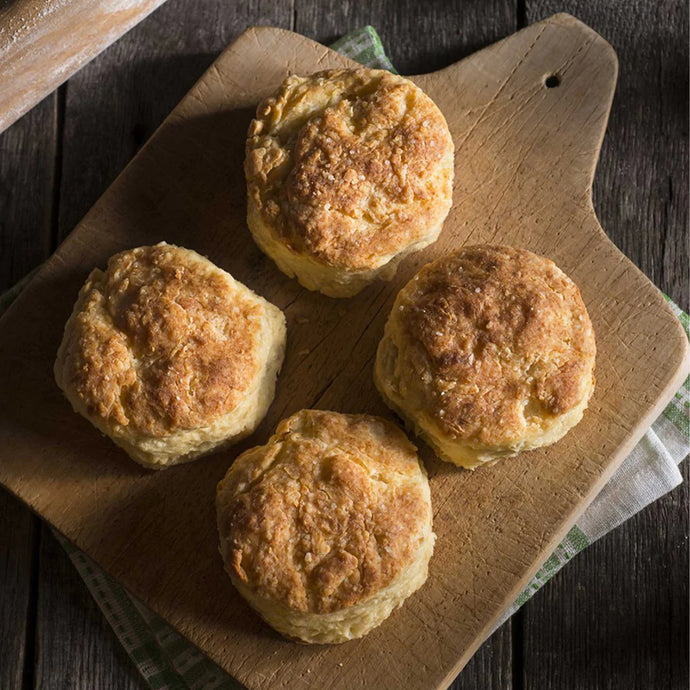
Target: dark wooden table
[(617, 616)]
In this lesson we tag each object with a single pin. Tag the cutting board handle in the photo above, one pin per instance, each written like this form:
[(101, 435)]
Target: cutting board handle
[(540, 98)]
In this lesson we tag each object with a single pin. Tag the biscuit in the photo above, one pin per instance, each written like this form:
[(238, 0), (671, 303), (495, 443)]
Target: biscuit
[(169, 356), (347, 172), (327, 528), (488, 352)]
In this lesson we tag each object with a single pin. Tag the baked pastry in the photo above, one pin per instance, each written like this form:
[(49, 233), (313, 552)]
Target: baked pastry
[(347, 172), (327, 528), (169, 356), (488, 352)]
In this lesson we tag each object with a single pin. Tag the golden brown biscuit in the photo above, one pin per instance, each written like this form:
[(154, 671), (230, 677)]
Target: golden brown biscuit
[(347, 172), (327, 528), (488, 352), (169, 356)]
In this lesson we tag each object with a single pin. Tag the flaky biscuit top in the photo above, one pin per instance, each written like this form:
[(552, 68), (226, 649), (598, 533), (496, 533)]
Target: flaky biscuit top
[(162, 340), (491, 341), (350, 166), (330, 511)]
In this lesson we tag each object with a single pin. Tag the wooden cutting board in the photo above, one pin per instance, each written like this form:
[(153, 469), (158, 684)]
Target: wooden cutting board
[(525, 159)]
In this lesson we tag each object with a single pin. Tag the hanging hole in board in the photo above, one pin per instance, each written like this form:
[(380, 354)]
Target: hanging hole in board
[(552, 81)]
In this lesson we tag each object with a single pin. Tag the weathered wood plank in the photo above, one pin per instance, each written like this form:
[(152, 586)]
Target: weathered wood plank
[(419, 36), (18, 530), (76, 647), (617, 616), (27, 153)]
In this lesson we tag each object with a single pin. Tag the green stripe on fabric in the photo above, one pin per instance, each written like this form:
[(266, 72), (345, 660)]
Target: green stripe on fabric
[(364, 46), (574, 542), (679, 418), (578, 538)]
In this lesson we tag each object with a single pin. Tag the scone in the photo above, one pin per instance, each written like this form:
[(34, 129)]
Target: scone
[(327, 528), (488, 352), (347, 172), (169, 356)]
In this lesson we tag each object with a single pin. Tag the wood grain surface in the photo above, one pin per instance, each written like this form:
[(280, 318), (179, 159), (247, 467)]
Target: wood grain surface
[(44, 42), (28, 160), (526, 159), (627, 593), (84, 647)]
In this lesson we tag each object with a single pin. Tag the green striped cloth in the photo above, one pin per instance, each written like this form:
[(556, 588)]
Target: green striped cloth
[(167, 661)]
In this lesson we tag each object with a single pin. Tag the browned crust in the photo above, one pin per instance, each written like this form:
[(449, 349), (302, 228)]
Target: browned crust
[(161, 341), (330, 511), (350, 166), (490, 340)]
